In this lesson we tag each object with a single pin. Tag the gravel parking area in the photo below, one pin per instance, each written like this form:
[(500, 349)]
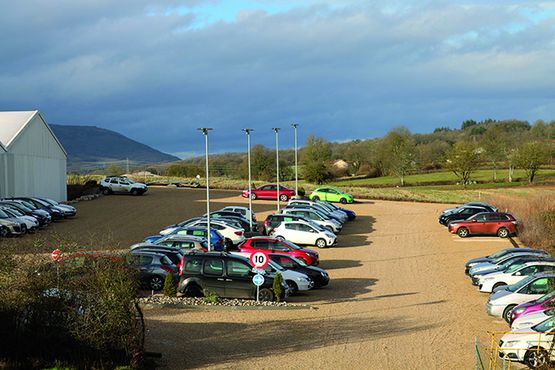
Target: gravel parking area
[(398, 297)]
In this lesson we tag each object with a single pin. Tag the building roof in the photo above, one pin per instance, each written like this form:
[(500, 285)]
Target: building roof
[(12, 124)]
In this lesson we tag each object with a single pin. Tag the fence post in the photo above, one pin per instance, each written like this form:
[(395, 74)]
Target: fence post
[(476, 356)]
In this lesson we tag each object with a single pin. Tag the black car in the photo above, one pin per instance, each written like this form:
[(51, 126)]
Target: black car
[(225, 275), (236, 217), (461, 213), (42, 219), (38, 204), (273, 221), (318, 275)]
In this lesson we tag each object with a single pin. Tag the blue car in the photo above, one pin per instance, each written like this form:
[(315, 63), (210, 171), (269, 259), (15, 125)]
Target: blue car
[(217, 240)]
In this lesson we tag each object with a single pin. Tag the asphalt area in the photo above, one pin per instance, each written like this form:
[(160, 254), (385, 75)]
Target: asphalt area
[(398, 297)]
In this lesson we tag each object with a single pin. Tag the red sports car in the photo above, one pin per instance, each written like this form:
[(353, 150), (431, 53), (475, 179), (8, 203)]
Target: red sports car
[(485, 223), (271, 245), (269, 191)]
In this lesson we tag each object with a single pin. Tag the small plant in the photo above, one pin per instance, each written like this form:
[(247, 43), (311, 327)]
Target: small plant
[(170, 289), (210, 297), (278, 286)]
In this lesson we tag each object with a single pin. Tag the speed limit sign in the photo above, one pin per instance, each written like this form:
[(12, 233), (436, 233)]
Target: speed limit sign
[(259, 260)]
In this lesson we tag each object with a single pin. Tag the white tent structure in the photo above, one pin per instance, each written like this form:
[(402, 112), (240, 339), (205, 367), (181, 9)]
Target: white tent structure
[(32, 160)]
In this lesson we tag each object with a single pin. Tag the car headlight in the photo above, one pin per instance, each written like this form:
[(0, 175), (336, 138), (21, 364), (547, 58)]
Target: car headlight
[(519, 311), (511, 343), (324, 274), (303, 279)]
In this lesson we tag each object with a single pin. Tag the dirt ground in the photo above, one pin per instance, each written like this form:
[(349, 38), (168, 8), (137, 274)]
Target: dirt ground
[(398, 297)]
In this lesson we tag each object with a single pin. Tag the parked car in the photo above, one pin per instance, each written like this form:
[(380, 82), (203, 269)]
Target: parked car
[(487, 206), (502, 302), (302, 233), (532, 318), (186, 243), (315, 216), (153, 268), (270, 191), (494, 264), (545, 302), (121, 184), (319, 276), (499, 254), (295, 280), (329, 194), (54, 212), (243, 211), (245, 224), (174, 254), (514, 274), (3, 230), (41, 216), (351, 215), (272, 245), (513, 263), (462, 213), (274, 220), (69, 211), (319, 206), (487, 223), (531, 346), (224, 274), (233, 235), (11, 225), (217, 240), (30, 222)]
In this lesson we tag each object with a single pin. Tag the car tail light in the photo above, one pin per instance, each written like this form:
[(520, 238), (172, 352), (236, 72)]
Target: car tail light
[(181, 265), (168, 269), (239, 233)]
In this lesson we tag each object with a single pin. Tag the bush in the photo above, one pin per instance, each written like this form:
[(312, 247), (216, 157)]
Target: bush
[(277, 286), (210, 297), (170, 289)]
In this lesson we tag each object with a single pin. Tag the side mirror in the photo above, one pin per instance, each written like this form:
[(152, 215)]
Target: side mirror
[(474, 220), (518, 273)]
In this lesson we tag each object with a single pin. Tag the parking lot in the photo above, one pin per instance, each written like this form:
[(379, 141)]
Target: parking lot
[(398, 296)]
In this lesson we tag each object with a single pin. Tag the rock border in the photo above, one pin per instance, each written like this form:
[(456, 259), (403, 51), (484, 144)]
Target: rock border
[(160, 301)]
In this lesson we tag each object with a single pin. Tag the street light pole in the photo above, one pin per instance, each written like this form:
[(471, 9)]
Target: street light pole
[(295, 125), (204, 131), (276, 130), (248, 132)]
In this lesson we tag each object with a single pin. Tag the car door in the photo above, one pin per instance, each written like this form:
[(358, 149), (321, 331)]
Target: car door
[(332, 195), (114, 185), (478, 225), (238, 280), (265, 192), (213, 275), (492, 224), (125, 185), (292, 232), (307, 233), (260, 245)]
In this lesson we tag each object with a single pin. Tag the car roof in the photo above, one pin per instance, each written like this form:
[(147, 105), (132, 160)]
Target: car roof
[(140, 251), (261, 237), (182, 237)]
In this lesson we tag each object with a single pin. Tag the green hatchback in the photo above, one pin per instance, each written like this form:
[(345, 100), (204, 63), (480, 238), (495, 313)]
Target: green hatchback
[(331, 195)]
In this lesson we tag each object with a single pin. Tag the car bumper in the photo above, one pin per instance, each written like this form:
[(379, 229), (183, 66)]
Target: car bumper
[(475, 280), (495, 310), (486, 287), (331, 243), (511, 354)]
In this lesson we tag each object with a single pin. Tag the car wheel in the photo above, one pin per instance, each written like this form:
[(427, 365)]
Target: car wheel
[(536, 358), (294, 287), (134, 192), (284, 197), (343, 201), (253, 196), (503, 232), (462, 232), (279, 237), (316, 198), (321, 243), (156, 283), (507, 313), (24, 229), (265, 294), (193, 291), (497, 285), (3, 232), (106, 191)]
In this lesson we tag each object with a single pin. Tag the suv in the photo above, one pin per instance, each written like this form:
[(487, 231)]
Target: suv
[(486, 223), (121, 184), (223, 274), (271, 245)]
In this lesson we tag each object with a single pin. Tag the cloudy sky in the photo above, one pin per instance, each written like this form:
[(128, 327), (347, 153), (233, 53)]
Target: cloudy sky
[(342, 69)]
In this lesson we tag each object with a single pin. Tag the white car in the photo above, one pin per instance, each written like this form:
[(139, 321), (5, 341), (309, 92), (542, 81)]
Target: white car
[(531, 319), (244, 211), (342, 216), (234, 234), (315, 216), (121, 184), (502, 302), (30, 222), (531, 345), (297, 281), (493, 265), (514, 274), (300, 232)]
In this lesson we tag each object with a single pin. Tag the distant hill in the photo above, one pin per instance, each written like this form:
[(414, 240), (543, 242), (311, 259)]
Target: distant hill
[(91, 147)]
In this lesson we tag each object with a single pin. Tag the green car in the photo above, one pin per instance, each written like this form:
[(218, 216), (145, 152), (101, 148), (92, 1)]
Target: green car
[(331, 195)]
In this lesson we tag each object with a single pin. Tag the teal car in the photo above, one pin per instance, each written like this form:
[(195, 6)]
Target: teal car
[(331, 195)]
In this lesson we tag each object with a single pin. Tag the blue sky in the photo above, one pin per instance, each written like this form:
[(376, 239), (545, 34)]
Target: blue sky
[(157, 70)]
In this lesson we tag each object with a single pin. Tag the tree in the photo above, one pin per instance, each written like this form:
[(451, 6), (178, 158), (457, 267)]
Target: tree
[(263, 163), (468, 123), (494, 144), (530, 156), (316, 155), (114, 170), (398, 153), (462, 160)]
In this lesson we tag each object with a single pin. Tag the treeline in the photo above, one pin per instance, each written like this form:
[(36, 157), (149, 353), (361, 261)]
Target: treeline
[(485, 144)]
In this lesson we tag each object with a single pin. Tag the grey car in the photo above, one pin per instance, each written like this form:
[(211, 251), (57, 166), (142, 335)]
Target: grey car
[(153, 268), (11, 225)]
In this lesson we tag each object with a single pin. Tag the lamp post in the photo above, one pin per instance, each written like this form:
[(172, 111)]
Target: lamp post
[(204, 131), (295, 126), (248, 132), (276, 130)]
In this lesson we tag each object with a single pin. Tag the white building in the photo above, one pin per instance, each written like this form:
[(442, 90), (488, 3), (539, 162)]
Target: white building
[(32, 160)]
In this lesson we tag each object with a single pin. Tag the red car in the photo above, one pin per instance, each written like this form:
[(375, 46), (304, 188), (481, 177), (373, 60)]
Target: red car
[(485, 223), (269, 191), (271, 245)]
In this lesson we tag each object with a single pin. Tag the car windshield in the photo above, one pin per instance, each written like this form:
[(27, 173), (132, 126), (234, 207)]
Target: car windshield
[(546, 297), (14, 212), (41, 202), (22, 207), (515, 266), (3, 214), (545, 325), (29, 205), (53, 202), (498, 254), (300, 261), (520, 284)]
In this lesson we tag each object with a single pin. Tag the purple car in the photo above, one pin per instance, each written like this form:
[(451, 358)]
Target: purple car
[(545, 302)]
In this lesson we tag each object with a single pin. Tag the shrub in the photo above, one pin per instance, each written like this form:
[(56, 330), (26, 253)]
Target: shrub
[(210, 297), (170, 289), (277, 286)]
